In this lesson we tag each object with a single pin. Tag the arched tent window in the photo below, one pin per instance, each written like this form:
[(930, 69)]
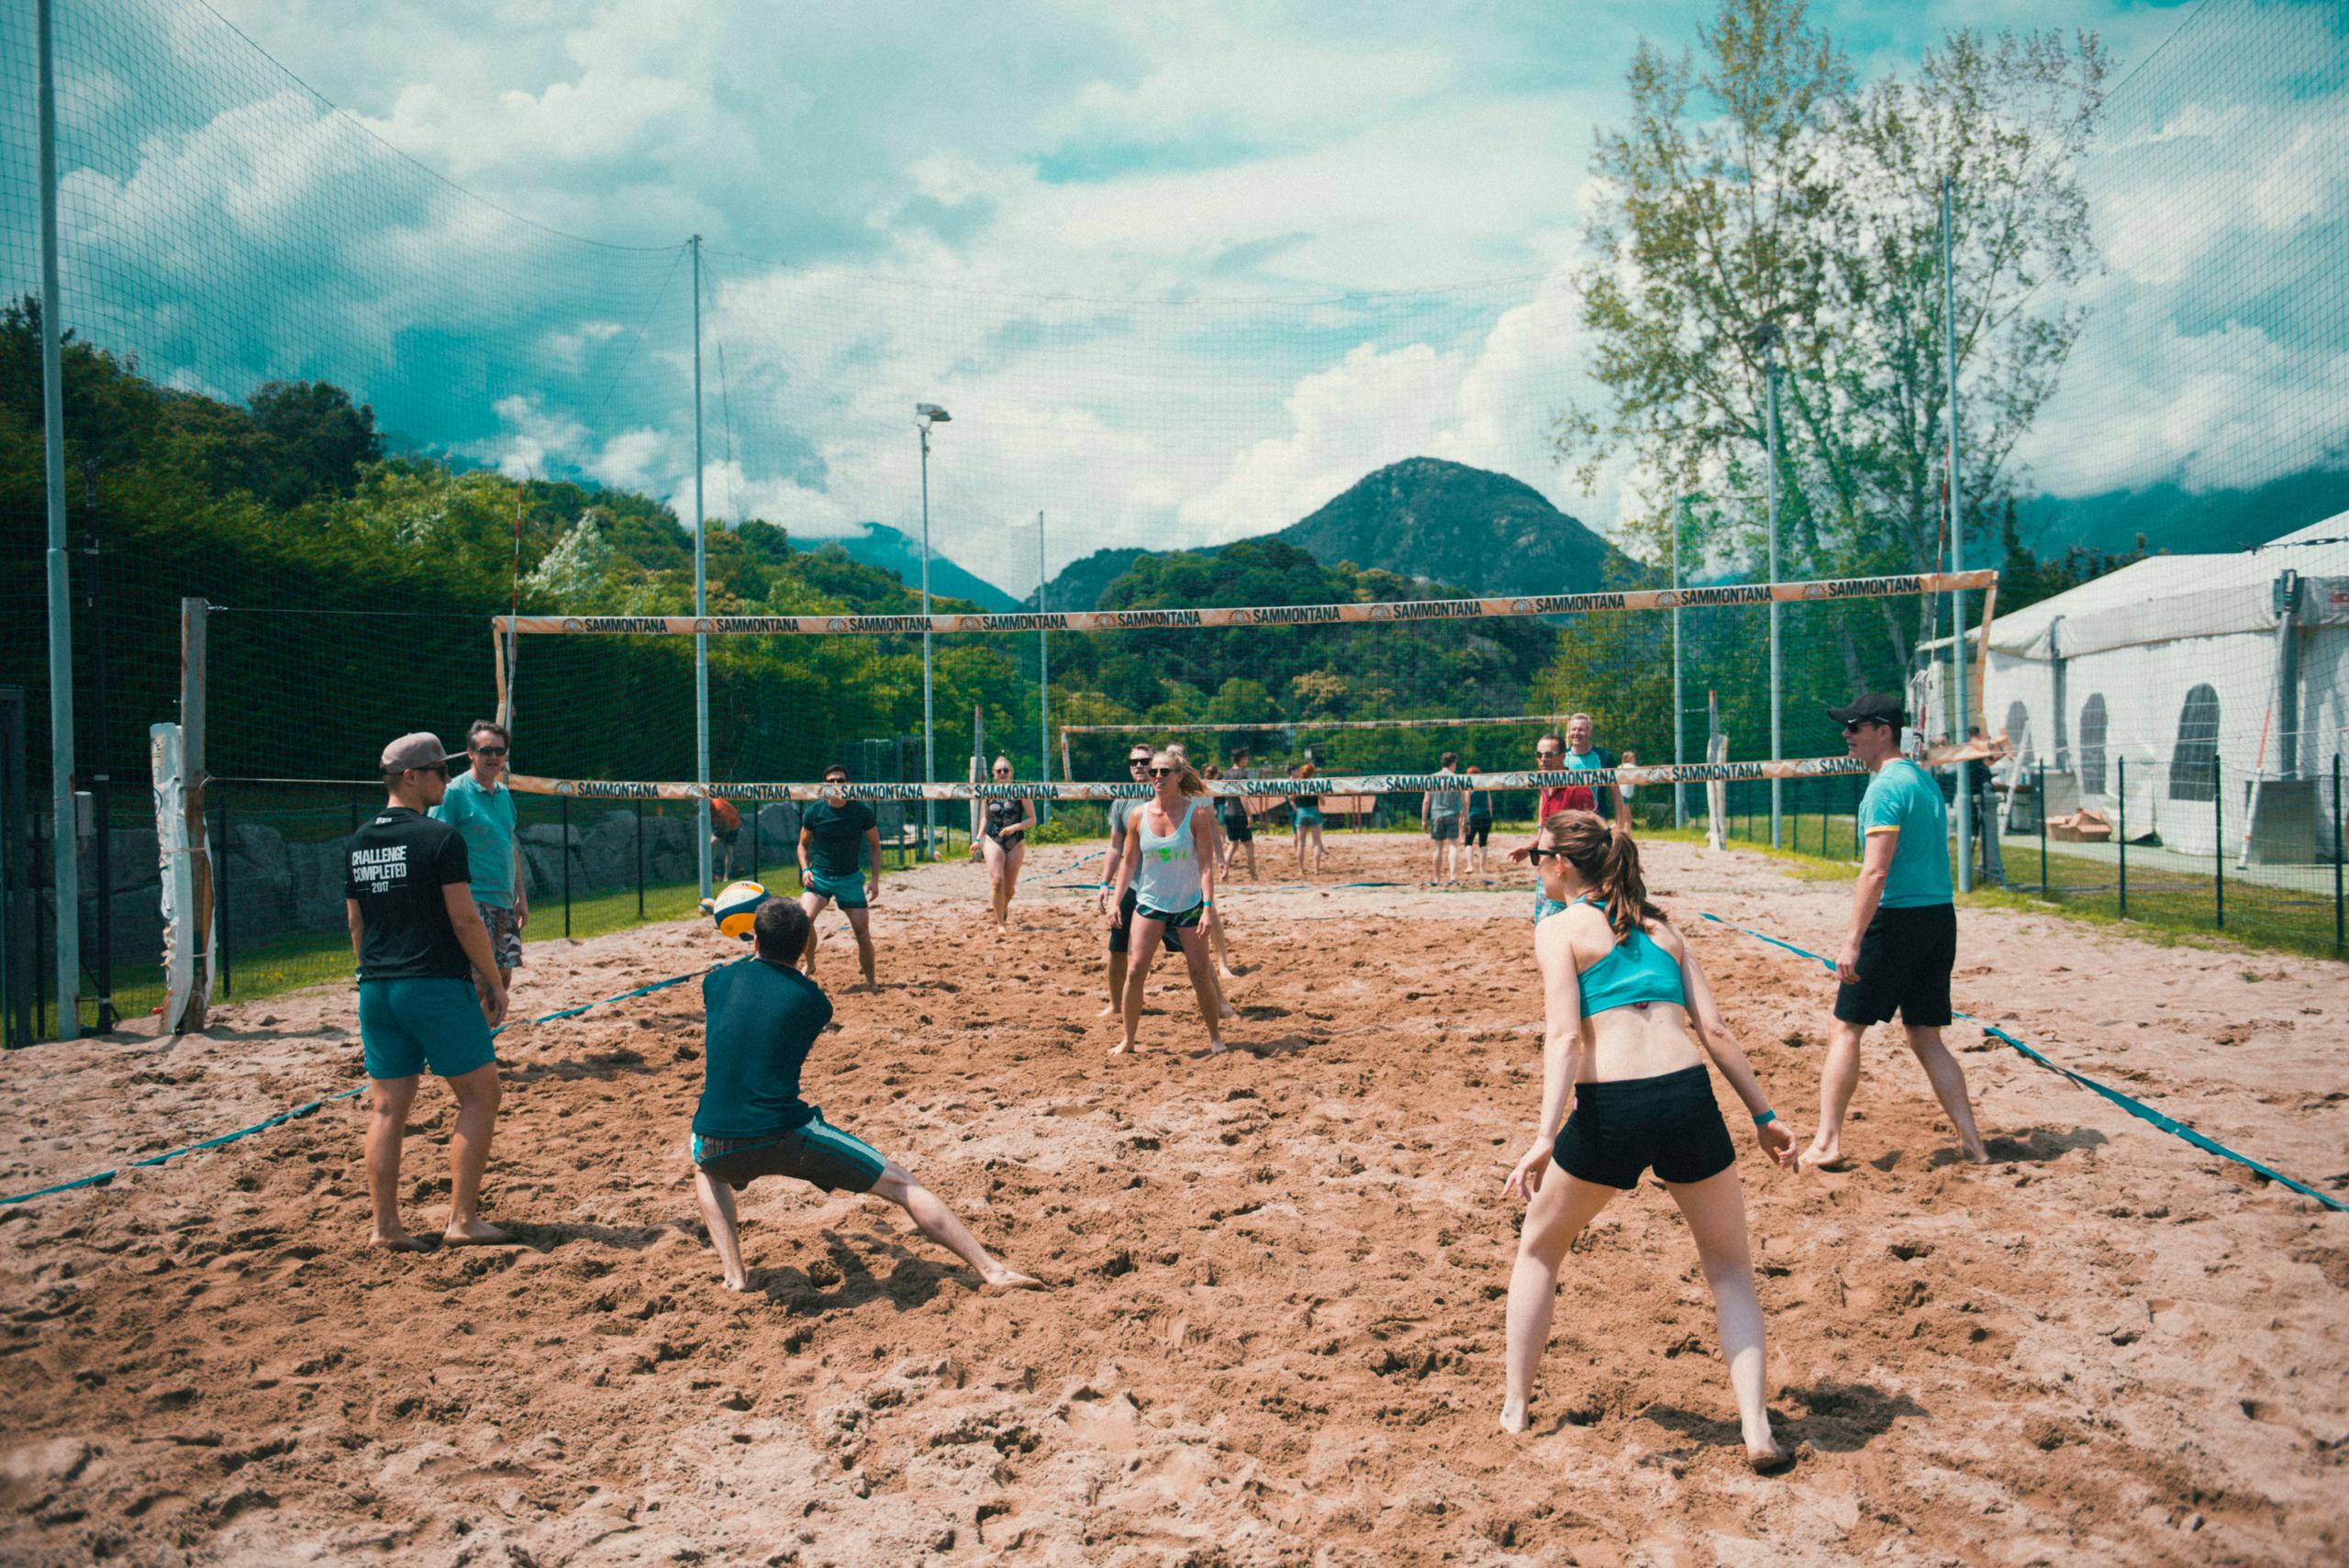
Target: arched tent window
[(2019, 733), (2092, 726), (2194, 761)]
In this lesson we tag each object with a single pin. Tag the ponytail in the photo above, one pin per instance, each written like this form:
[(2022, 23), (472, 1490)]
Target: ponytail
[(1623, 888), (1607, 858)]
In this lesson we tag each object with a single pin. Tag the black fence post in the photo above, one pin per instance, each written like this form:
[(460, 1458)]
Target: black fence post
[(2219, 845), (220, 927), (102, 804), (565, 801), (2120, 834), (2041, 798), (640, 860), (2340, 825), (754, 840)]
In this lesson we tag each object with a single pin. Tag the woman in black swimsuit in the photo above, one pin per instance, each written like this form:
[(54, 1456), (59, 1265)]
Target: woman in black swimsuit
[(1002, 842)]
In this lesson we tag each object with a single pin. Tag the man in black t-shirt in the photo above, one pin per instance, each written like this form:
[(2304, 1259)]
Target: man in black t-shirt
[(832, 833), (408, 894), (760, 1017)]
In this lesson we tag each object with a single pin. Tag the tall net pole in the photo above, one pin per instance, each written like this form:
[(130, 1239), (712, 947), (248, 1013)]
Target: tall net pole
[(1679, 799), (1777, 686), (701, 606), (1959, 710), (64, 857)]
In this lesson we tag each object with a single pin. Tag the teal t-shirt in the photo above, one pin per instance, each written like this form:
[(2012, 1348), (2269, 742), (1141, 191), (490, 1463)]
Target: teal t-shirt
[(1903, 796), (1597, 756), (836, 837), (485, 818)]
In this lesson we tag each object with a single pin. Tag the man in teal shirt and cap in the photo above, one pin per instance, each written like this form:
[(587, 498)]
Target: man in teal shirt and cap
[(1903, 941)]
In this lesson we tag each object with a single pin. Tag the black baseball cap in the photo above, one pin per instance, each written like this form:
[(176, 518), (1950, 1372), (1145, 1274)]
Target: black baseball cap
[(1872, 707)]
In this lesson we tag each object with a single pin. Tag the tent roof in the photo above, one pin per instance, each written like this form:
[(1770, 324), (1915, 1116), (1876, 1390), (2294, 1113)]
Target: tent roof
[(2167, 598)]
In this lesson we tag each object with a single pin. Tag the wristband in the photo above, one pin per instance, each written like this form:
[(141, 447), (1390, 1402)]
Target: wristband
[(1765, 1118)]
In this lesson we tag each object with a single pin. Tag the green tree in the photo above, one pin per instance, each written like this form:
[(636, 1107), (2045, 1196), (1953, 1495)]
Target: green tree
[(317, 439), (1759, 194)]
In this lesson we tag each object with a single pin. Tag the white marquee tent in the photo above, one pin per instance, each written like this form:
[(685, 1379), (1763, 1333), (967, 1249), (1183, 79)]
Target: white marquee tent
[(2152, 671)]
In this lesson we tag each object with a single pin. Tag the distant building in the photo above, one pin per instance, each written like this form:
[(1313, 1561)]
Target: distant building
[(2207, 676)]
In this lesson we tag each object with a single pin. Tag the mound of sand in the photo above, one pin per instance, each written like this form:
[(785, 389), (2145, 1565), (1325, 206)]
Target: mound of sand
[(1277, 1333)]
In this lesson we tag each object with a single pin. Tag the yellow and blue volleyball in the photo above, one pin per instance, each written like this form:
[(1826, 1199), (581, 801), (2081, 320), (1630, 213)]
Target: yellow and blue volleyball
[(736, 906)]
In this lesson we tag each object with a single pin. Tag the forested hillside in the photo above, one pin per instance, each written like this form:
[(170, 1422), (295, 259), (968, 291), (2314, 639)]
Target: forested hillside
[(353, 592)]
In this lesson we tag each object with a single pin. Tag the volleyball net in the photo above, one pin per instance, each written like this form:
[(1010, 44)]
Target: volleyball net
[(1405, 675)]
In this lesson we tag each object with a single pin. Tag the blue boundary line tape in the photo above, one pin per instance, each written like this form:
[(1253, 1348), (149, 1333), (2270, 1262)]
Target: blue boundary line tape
[(2137, 1108), (103, 1177)]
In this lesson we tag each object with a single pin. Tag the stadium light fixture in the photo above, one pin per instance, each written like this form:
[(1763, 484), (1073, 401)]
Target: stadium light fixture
[(925, 415)]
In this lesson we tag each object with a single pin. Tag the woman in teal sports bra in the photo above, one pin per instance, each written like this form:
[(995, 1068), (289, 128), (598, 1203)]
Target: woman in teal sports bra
[(1630, 1022), (1170, 863)]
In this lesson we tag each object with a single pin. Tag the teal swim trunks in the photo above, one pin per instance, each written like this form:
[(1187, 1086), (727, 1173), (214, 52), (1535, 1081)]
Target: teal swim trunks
[(405, 1025), (848, 891), (816, 1152)]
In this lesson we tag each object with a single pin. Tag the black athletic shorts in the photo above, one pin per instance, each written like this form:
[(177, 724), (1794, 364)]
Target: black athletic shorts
[(1905, 959), (1236, 828), (1122, 933), (1622, 1128), (1479, 831)]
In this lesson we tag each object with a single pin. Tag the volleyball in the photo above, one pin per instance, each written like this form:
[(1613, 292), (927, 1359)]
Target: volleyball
[(736, 906)]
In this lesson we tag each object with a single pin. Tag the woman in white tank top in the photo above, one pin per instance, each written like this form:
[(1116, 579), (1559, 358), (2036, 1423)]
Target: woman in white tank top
[(1170, 863)]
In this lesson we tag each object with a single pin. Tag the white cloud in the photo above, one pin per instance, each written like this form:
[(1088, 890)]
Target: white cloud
[(963, 221)]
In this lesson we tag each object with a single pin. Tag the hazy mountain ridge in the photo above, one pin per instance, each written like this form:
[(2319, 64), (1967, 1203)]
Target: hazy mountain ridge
[(1423, 518)]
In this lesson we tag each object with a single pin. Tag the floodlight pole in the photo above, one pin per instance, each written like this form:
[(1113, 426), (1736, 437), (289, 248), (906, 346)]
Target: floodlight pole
[(1777, 734), (66, 841), (1959, 709), (929, 719), (701, 607), (1044, 674)]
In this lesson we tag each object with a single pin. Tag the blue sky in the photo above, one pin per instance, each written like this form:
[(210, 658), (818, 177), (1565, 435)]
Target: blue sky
[(1182, 271)]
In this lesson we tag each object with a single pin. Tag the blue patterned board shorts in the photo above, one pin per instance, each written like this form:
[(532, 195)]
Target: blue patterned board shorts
[(505, 934)]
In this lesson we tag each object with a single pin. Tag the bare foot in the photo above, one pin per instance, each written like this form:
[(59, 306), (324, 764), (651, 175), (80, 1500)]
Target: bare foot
[(1227, 971), (1215, 1047), (1108, 1010), (1224, 1009), (398, 1241), (1818, 1157), (473, 1233), (1975, 1155), (1768, 1461), (1513, 1419), (1009, 1280), (738, 1282), (1123, 1048)]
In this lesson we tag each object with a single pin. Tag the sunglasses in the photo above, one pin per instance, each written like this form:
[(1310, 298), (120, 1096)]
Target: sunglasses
[(1003, 773), (1164, 773), (1853, 725), (1137, 762), (440, 768), (1548, 753), (1537, 854), (489, 750)]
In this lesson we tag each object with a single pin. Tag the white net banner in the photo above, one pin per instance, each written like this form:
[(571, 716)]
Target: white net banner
[(1375, 611), (1336, 784)]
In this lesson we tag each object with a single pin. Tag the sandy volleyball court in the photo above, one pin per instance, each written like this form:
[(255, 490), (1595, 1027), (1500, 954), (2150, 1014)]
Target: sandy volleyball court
[(1277, 1333)]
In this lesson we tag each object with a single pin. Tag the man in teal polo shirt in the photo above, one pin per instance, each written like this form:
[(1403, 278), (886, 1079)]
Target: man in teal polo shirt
[(1903, 941), (481, 808)]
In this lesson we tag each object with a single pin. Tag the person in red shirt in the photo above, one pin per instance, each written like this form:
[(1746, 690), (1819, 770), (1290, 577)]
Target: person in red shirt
[(725, 826), (1550, 757)]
